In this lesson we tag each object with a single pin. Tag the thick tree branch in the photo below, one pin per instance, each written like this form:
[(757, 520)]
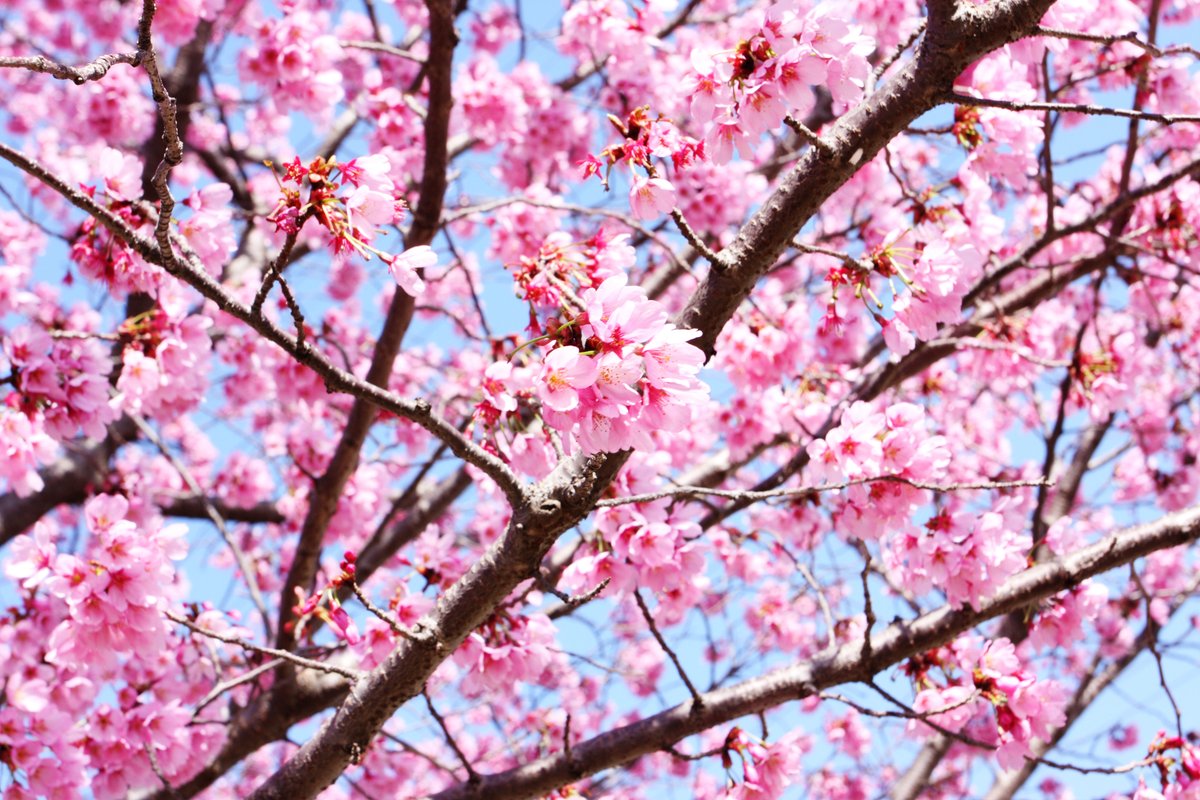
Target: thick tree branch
[(848, 664), (462, 608)]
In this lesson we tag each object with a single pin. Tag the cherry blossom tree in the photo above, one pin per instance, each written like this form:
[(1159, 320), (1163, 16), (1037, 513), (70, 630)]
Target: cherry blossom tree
[(613, 398)]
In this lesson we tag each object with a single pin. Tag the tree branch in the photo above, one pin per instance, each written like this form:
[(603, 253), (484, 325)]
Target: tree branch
[(92, 71), (570, 492), (1071, 108), (848, 664)]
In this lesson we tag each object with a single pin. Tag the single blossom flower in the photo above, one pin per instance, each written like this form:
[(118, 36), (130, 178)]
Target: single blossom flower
[(649, 197), (566, 372), (405, 265)]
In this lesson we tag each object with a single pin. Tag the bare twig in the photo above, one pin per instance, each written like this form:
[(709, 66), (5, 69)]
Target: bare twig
[(233, 683), (472, 775), (807, 134), (806, 491), (172, 143), (1132, 37), (697, 698), (1089, 109), (249, 575), (822, 600), (1152, 646), (387, 49), (695, 241), (387, 618), (300, 661)]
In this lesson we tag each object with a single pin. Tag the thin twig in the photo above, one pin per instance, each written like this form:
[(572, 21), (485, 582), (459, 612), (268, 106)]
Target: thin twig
[(472, 775), (716, 751), (233, 683), (1003, 347), (1132, 38), (275, 268), (808, 134), (239, 557), (625, 219), (387, 49), (574, 601), (868, 607), (823, 601), (886, 62), (695, 241), (351, 675), (803, 491), (905, 713), (294, 308), (396, 627), (1152, 646), (1070, 108), (697, 698), (173, 144), (408, 748), (157, 770)]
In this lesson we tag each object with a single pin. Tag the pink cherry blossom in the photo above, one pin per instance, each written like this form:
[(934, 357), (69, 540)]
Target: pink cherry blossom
[(566, 371), (649, 197), (404, 268)]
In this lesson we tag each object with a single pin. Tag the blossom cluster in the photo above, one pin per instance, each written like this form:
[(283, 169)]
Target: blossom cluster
[(115, 596), (645, 139), (767, 769), (744, 92), (89, 622), (648, 545), (164, 365), (938, 268), (24, 446), (295, 58), (654, 548), (1180, 776), (969, 556), (62, 382), (506, 651), (617, 370), (632, 372), (546, 265), (351, 201), (20, 244), (995, 699), (868, 443)]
